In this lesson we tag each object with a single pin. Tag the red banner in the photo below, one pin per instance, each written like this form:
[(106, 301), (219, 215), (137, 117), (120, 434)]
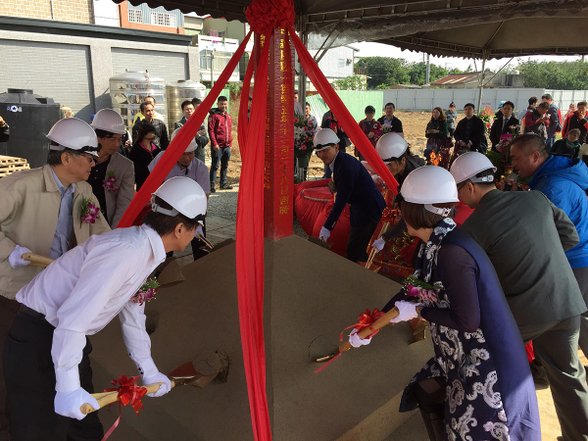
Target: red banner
[(249, 247)]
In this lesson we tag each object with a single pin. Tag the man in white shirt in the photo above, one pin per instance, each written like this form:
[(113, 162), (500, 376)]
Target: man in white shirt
[(194, 168), (47, 368)]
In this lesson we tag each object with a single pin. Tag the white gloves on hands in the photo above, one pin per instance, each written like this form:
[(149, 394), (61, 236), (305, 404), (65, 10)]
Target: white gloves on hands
[(324, 234), (15, 258), (68, 404), (356, 341), (407, 311), (379, 244), (199, 232), (158, 378)]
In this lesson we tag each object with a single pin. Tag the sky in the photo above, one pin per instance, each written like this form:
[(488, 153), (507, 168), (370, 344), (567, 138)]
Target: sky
[(367, 49)]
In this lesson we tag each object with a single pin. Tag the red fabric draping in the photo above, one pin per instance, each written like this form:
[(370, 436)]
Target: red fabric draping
[(249, 248), (178, 145), (335, 104)]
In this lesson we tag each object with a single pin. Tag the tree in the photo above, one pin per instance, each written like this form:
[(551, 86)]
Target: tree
[(555, 75), (383, 71), (354, 82)]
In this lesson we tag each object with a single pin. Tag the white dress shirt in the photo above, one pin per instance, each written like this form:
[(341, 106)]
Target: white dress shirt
[(83, 290), (197, 170)]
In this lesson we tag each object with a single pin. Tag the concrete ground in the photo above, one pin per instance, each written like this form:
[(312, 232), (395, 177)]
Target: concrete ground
[(220, 222)]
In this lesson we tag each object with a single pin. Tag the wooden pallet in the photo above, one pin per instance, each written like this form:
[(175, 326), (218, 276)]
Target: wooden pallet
[(11, 164)]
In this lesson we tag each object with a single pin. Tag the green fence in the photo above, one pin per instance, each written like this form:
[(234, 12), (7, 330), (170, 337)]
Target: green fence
[(355, 100)]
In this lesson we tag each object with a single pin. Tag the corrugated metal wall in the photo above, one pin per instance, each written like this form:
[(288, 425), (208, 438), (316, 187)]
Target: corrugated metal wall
[(58, 71), (171, 66)]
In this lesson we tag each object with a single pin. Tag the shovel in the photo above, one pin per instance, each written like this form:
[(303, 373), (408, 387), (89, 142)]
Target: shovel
[(198, 373), (344, 346), (36, 259)]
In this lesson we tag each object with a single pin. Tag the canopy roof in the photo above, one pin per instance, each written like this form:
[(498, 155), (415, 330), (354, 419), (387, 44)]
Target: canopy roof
[(467, 28)]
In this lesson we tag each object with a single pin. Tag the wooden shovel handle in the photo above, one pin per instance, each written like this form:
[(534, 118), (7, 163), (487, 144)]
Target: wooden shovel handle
[(107, 398), (366, 332), (36, 259)]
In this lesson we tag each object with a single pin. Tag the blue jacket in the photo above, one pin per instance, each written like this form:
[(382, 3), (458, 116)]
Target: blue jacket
[(564, 181), (356, 187)]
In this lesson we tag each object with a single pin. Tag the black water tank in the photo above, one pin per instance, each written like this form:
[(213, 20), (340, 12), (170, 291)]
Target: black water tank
[(30, 117)]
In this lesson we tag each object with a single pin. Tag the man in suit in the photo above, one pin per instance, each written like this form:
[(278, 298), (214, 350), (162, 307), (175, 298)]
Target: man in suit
[(41, 212), (188, 108), (353, 185), (564, 181), (470, 133), (505, 124), (525, 236), (113, 177)]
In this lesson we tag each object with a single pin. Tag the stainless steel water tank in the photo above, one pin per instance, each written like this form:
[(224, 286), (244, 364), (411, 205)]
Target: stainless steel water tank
[(179, 92), (129, 90), (30, 117)]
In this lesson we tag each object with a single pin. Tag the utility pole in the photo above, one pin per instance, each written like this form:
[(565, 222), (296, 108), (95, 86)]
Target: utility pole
[(428, 70)]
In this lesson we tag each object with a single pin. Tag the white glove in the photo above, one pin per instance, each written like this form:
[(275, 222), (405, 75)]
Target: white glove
[(15, 258), (356, 341), (324, 234), (199, 231), (379, 244), (68, 403), (407, 311), (158, 378)]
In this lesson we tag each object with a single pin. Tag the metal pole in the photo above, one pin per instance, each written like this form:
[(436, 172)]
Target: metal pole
[(481, 81), (301, 74), (428, 70)]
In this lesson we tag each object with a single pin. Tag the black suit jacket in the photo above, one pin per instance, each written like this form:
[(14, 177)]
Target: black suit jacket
[(497, 129), (356, 187)]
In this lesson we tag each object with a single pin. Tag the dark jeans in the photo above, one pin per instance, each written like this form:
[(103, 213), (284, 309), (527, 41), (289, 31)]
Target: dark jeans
[(30, 385), (222, 155), (8, 311), (359, 238), (549, 143), (556, 346), (582, 279)]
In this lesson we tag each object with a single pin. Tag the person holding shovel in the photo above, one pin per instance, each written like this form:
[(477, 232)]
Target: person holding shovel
[(41, 212), (47, 369), (478, 385), (353, 185)]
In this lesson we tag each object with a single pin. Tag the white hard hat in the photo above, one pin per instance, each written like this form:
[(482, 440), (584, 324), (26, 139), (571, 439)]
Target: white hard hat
[(391, 146), (430, 185), (191, 147), (184, 195), (74, 134), (468, 165), (324, 138), (109, 121)]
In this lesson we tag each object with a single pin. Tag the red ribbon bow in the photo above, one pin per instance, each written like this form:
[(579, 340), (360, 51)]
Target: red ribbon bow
[(365, 320), (129, 394)]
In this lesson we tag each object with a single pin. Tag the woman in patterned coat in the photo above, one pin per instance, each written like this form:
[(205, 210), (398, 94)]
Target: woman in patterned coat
[(478, 385)]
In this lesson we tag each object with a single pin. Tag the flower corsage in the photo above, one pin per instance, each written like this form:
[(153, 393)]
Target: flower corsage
[(110, 183), (89, 211), (147, 292), (421, 291)]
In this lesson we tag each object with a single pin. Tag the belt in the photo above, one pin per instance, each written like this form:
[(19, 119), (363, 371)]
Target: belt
[(30, 312)]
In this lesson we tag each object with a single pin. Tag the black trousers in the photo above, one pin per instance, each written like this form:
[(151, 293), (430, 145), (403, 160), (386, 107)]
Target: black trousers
[(359, 238), (30, 385)]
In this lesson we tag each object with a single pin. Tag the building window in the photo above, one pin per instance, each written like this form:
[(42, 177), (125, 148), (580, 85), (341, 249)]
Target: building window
[(163, 19), (341, 63), (205, 59), (135, 16)]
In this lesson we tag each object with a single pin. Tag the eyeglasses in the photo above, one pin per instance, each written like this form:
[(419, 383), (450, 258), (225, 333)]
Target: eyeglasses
[(89, 158)]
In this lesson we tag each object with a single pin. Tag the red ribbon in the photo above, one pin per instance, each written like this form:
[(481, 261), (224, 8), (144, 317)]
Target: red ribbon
[(129, 394), (365, 320)]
